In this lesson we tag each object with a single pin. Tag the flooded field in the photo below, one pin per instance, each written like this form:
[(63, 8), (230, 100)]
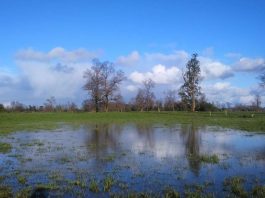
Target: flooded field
[(133, 160)]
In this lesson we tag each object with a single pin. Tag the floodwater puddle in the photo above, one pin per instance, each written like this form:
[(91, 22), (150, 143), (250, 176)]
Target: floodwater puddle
[(119, 160)]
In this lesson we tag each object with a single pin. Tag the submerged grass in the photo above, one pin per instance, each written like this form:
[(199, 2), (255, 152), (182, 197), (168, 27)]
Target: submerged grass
[(212, 159), (5, 147), (208, 159), (258, 191), (93, 186), (235, 186), (5, 192), (10, 122), (108, 182)]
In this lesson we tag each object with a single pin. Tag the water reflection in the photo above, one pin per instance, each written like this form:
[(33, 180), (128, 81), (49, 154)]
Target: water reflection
[(142, 155), (103, 139), (192, 141)]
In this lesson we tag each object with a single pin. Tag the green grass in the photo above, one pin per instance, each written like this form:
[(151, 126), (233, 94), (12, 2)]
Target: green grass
[(212, 159), (258, 191), (108, 182), (22, 179), (5, 192), (93, 186), (235, 185), (49, 186), (10, 122), (171, 193), (5, 147)]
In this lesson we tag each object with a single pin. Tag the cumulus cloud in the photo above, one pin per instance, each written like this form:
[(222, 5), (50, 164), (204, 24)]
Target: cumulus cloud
[(224, 92), (178, 58), (131, 60), (211, 69), (58, 54), (131, 88), (160, 74), (58, 72), (250, 64)]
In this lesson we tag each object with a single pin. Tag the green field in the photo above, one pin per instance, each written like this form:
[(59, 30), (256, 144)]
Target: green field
[(249, 121)]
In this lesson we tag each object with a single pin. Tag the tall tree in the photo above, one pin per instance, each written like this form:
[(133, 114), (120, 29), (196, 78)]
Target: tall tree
[(102, 82), (190, 89)]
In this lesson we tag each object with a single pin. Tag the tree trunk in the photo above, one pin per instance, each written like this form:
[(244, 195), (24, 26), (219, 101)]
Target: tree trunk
[(193, 103), (96, 104), (106, 104)]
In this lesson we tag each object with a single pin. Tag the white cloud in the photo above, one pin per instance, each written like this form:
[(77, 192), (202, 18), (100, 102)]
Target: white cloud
[(131, 88), (224, 92), (211, 69), (58, 54), (131, 60), (46, 80), (56, 73), (221, 86), (59, 73), (159, 74), (178, 58), (250, 64)]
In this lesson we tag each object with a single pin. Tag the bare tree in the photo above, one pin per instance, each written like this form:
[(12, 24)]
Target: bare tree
[(190, 90), (111, 81), (257, 102), (50, 104), (158, 105), (94, 82), (140, 100), (71, 106), (119, 103), (149, 94), (145, 97), (17, 106), (170, 99), (102, 82)]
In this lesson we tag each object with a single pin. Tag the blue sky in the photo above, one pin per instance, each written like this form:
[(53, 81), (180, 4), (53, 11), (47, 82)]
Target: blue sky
[(144, 38)]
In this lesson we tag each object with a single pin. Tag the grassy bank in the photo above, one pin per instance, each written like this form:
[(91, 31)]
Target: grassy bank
[(248, 121)]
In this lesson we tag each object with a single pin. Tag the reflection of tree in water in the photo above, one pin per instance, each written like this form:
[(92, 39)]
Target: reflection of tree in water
[(103, 139), (192, 140), (146, 133)]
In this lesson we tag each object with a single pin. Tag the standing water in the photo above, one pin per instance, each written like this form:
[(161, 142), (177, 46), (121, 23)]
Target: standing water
[(133, 159)]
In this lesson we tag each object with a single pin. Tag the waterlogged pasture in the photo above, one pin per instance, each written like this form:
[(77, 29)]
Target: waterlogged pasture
[(118, 160)]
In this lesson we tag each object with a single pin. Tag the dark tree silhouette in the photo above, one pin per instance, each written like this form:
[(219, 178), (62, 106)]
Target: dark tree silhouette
[(102, 82)]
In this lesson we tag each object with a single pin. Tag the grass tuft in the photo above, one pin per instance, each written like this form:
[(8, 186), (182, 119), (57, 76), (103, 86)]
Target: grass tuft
[(108, 182), (93, 186), (5, 147)]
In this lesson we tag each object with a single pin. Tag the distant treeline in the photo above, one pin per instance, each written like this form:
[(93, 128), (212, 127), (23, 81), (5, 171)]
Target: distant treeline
[(119, 106)]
